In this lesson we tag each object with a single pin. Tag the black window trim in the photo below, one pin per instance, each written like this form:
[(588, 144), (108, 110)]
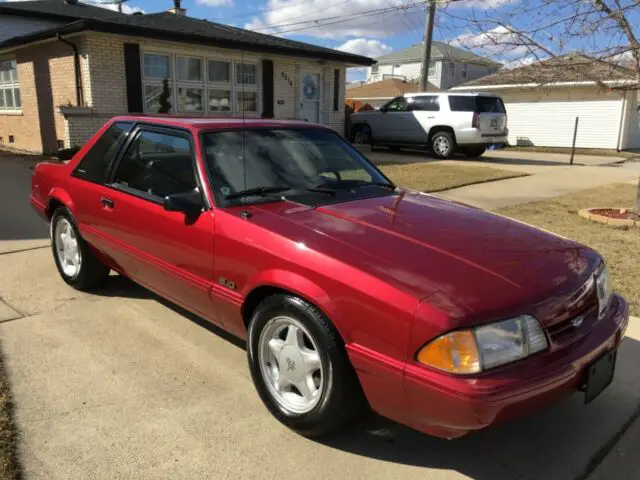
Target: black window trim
[(222, 203), (137, 129), (123, 140)]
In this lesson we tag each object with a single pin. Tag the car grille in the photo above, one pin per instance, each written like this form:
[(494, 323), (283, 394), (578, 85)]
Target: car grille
[(577, 318)]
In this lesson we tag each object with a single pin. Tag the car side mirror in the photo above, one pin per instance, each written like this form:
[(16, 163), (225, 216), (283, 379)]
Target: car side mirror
[(383, 109), (190, 203)]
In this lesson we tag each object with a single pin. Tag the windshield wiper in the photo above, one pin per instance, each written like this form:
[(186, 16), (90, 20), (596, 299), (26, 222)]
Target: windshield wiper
[(258, 192), (271, 191), (355, 184)]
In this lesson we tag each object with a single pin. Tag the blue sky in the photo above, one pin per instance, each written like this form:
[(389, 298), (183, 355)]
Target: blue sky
[(376, 27)]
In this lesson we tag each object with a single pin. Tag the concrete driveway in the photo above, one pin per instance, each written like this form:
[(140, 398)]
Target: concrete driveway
[(120, 384)]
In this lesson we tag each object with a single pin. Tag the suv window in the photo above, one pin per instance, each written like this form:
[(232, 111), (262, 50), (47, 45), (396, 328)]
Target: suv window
[(479, 104), (158, 164), (399, 104), (425, 104), (94, 165)]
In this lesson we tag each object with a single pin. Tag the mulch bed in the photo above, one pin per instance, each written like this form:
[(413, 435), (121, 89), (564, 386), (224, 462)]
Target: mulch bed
[(617, 213)]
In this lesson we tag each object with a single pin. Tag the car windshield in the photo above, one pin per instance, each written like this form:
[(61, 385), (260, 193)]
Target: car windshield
[(311, 166)]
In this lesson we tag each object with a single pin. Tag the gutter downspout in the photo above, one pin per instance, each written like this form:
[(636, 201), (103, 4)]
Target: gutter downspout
[(78, 73), (623, 121)]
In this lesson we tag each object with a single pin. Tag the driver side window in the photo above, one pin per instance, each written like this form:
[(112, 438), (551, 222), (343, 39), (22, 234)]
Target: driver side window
[(400, 104), (157, 164)]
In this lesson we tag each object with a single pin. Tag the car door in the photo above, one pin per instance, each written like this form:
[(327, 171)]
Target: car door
[(396, 123), (168, 252), (425, 110)]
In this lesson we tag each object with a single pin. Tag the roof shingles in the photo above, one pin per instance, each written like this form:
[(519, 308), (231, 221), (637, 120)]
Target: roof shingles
[(165, 26), (439, 51)]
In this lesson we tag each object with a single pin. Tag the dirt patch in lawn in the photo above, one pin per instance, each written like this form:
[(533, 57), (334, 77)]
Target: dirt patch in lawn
[(619, 246), (9, 462), (435, 177)]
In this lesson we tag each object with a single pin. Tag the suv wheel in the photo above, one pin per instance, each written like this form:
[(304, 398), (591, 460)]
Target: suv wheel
[(442, 144), (362, 135)]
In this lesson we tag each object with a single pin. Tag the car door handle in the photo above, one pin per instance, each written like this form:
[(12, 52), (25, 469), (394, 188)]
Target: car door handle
[(107, 202)]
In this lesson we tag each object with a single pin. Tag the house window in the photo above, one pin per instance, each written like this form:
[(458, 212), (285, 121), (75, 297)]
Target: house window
[(452, 69), (432, 68), (374, 70), (9, 86), (463, 74), (201, 85), (156, 66), (246, 87)]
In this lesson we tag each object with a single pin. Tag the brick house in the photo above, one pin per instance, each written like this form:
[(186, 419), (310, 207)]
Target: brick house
[(66, 67)]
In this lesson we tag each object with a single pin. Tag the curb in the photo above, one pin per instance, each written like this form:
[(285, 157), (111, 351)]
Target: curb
[(613, 222)]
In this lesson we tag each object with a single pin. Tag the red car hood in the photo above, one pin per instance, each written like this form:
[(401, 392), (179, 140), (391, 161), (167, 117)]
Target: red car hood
[(478, 261)]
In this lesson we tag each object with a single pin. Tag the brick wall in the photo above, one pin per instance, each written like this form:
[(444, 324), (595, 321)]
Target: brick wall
[(46, 76), (105, 86)]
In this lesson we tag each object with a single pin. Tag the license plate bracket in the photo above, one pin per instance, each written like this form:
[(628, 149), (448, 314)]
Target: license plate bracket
[(600, 375)]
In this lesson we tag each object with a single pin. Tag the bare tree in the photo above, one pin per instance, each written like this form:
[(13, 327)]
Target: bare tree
[(596, 40)]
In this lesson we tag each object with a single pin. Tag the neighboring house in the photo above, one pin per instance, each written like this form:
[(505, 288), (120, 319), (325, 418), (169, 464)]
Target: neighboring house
[(378, 93), (449, 65), (544, 99), (66, 67)]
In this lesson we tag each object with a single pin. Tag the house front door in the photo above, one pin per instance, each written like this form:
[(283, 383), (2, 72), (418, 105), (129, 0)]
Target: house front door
[(309, 97)]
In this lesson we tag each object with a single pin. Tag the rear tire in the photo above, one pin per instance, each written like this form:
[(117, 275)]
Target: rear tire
[(474, 152), (362, 135), (293, 343), (75, 259), (443, 145)]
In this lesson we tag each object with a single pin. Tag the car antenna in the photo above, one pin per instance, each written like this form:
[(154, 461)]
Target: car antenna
[(245, 213)]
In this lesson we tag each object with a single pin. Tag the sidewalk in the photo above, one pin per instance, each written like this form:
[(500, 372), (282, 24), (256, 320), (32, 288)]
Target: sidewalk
[(545, 182)]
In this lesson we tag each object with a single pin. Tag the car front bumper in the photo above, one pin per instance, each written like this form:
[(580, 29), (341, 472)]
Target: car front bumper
[(450, 406)]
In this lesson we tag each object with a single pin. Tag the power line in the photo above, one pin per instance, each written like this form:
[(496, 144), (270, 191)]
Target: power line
[(341, 18)]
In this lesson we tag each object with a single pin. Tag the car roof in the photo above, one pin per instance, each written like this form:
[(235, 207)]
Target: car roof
[(212, 123)]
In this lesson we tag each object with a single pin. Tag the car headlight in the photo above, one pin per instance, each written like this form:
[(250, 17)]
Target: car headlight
[(604, 289), (488, 346)]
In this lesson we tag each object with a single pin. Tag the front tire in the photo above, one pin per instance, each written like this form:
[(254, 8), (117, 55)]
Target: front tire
[(443, 145), (362, 135), (76, 261), (300, 368)]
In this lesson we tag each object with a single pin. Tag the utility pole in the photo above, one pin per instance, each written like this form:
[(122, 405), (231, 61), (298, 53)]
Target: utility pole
[(426, 52)]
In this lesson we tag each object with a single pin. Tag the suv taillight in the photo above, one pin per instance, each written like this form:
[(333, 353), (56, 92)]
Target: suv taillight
[(475, 123)]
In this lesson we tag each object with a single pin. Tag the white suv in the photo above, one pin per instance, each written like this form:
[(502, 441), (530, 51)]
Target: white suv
[(444, 122)]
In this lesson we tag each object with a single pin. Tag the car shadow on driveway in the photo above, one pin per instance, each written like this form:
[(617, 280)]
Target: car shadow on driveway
[(564, 441)]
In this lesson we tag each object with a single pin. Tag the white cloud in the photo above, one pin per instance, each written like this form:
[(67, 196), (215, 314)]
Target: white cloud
[(338, 18), (363, 46), (479, 4), (500, 41), (367, 48), (215, 3), (112, 6)]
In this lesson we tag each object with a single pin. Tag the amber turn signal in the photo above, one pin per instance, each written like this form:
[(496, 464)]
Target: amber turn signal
[(456, 352)]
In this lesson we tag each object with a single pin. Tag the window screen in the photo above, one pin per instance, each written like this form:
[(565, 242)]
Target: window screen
[(93, 167)]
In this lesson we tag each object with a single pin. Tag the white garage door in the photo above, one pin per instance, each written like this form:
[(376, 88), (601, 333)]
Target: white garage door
[(549, 119)]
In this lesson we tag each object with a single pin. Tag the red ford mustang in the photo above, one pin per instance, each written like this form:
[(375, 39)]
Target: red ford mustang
[(348, 289)]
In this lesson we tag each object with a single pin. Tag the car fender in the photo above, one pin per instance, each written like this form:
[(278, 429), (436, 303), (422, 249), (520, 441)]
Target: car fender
[(296, 284), (61, 195)]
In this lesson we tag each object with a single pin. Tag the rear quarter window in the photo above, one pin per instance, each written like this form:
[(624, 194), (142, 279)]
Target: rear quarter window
[(94, 165), (477, 104)]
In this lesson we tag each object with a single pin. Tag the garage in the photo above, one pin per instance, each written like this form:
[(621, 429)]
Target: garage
[(543, 103)]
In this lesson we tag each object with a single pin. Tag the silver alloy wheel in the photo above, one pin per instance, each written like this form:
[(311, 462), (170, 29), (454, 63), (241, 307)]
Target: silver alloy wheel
[(290, 364), (442, 146), (67, 248)]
